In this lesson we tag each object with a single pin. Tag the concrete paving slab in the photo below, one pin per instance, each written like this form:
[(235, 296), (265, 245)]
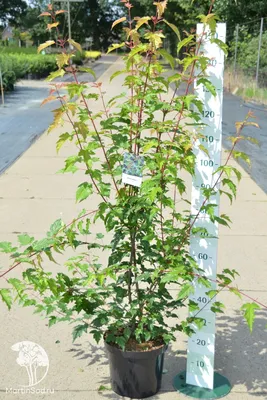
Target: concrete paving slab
[(248, 190), (245, 217), (56, 186), (247, 255), (29, 166), (87, 366), (46, 144), (32, 216)]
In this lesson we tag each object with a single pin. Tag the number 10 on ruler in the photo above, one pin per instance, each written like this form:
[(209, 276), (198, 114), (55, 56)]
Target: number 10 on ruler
[(201, 345)]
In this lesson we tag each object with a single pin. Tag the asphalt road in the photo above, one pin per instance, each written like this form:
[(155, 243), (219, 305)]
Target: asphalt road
[(22, 120)]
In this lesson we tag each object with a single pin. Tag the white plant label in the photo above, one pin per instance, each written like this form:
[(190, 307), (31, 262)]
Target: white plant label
[(201, 346)]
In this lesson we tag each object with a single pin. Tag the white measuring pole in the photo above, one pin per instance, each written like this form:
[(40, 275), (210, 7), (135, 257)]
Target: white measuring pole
[(201, 346)]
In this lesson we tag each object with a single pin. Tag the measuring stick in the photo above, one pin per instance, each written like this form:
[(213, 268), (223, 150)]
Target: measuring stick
[(203, 247)]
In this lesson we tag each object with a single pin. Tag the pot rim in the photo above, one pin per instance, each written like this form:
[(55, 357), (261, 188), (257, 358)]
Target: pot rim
[(137, 354)]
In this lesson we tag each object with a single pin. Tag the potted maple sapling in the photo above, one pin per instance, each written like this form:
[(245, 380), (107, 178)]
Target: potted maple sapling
[(133, 150)]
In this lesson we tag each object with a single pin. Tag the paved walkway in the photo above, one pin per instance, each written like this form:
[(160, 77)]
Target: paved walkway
[(32, 196)]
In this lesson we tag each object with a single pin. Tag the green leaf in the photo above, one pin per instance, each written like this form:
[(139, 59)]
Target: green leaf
[(170, 277), (220, 44), (230, 184), (167, 338), (62, 60), (56, 227), (149, 145), (235, 291), (115, 46), (97, 335), (56, 74), (243, 156), (53, 286), (102, 388), (6, 297), (252, 140), (167, 57), (142, 21), (17, 284), (174, 28), (76, 45), (104, 188), (44, 45), (193, 306), (88, 70), (118, 21), (7, 247), (121, 341), (208, 85), (52, 321), (217, 307), (186, 290), (249, 313), (232, 272), (229, 195), (199, 322), (188, 40), (204, 149), (84, 190), (62, 139), (43, 244), (25, 239), (221, 220), (116, 73), (79, 330), (212, 293), (238, 174), (175, 77), (138, 49), (209, 20)]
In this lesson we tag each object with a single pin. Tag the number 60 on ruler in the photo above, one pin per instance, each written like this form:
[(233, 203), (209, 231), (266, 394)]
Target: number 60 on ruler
[(203, 248)]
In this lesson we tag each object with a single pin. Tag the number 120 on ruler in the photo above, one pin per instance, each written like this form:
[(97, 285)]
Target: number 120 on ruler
[(201, 345)]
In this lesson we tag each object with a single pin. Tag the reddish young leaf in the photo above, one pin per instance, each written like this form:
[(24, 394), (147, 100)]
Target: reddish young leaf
[(49, 98), (50, 26), (60, 12), (44, 14)]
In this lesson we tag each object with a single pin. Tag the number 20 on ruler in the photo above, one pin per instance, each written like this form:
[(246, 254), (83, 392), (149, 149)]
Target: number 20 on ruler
[(200, 353)]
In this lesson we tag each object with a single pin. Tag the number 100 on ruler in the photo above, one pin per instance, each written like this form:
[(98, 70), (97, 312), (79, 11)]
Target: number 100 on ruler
[(203, 248)]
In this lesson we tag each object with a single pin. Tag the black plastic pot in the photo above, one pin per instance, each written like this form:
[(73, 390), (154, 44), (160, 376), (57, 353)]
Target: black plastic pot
[(135, 374)]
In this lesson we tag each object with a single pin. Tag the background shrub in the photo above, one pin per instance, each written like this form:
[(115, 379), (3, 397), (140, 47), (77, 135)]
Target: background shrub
[(16, 63)]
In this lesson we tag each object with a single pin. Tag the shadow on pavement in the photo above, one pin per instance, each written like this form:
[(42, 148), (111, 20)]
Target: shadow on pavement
[(240, 356)]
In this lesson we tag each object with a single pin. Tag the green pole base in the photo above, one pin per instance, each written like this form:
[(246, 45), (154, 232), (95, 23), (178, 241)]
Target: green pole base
[(221, 387)]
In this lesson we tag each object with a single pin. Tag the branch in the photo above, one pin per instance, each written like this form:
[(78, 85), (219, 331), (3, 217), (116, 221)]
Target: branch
[(50, 247)]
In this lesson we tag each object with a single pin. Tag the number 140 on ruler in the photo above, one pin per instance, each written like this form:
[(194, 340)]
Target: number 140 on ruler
[(201, 345)]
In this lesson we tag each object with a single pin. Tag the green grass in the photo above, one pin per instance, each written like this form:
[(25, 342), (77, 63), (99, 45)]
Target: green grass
[(253, 93), (244, 86)]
